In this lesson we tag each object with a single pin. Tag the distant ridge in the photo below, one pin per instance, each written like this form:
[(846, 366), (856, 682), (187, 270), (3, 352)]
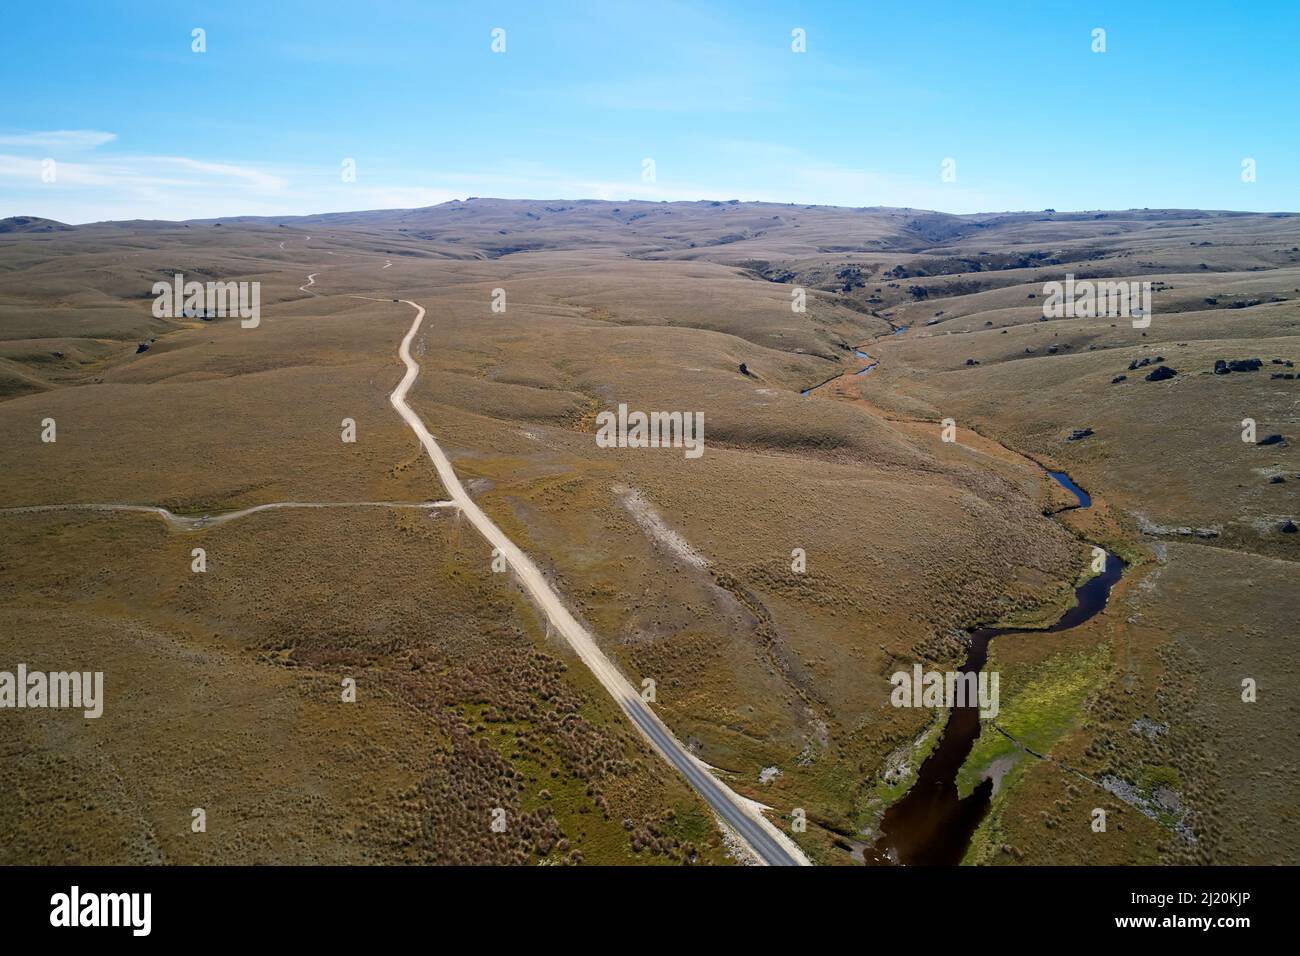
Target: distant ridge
[(33, 224)]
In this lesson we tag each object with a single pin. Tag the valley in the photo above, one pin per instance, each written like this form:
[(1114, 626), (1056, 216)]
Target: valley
[(943, 453)]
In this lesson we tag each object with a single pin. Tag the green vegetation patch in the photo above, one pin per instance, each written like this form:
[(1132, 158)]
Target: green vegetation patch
[(1037, 716)]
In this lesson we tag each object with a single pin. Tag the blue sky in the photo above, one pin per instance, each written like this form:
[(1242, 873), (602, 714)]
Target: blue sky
[(139, 126)]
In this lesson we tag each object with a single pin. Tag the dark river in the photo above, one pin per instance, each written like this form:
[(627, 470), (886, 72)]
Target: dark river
[(930, 826)]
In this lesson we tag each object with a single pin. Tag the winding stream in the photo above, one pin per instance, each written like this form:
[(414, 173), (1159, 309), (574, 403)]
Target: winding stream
[(931, 825), (839, 375)]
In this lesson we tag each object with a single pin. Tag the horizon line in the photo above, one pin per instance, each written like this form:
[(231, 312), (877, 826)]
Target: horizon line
[(663, 202)]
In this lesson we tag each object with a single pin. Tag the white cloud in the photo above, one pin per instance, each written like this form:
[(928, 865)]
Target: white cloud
[(249, 175), (59, 139), (143, 171), (185, 187)]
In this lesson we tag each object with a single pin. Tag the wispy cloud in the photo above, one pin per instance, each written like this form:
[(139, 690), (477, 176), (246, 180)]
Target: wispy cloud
[(125, 186), (248, 175), (127, 172), (112, 169), (58, 139), (111, 184)]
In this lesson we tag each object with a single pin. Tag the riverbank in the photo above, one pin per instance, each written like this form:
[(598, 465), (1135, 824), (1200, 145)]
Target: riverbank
[(934, 823), (936, 820)]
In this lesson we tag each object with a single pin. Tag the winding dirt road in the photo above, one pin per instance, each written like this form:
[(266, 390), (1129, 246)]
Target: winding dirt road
[(744, 817)]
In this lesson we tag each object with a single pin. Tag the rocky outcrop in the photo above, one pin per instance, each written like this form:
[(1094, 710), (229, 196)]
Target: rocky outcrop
[(1222, 367)]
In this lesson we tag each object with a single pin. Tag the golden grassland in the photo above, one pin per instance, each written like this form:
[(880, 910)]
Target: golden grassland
[(225, 693), (682, 568)]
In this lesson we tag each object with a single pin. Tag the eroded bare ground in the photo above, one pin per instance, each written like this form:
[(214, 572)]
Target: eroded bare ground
[(228, 681)]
